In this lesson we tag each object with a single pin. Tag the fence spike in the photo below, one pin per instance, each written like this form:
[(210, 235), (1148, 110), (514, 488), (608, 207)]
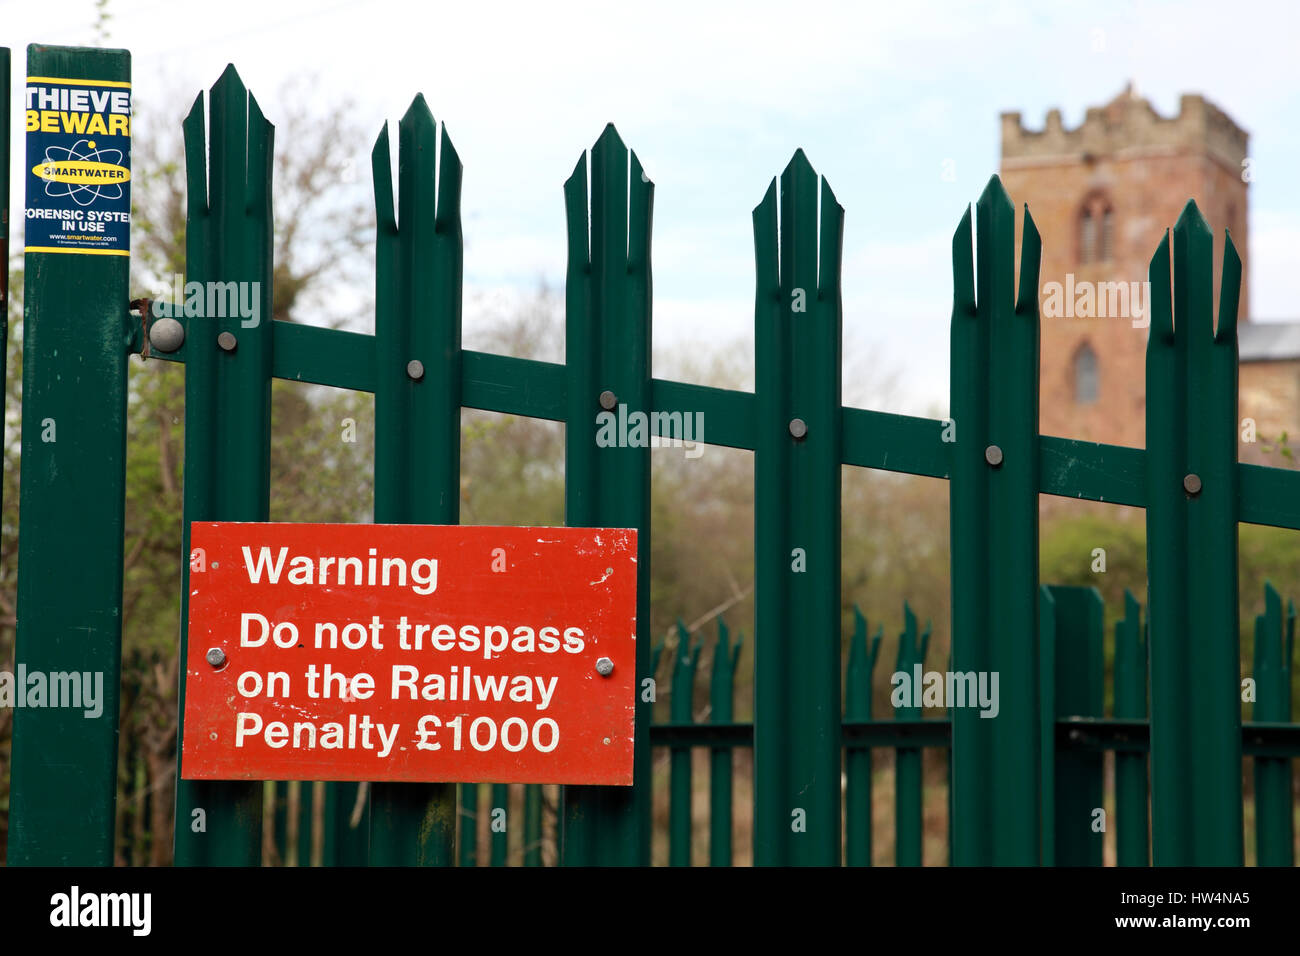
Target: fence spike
[(1031, 258), (963, 287), (858, 642), (655, 654), (227, 402), (1162, 309), (993, 500), (797, 463), (1192, 501), (608, 331), (418, 286), (382, 176), (1229, 294)]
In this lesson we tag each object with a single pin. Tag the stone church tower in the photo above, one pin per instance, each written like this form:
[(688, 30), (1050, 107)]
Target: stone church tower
[(1102, 195)]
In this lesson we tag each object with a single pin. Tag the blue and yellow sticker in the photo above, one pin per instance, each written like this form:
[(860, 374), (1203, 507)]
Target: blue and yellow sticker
[(78, 166)]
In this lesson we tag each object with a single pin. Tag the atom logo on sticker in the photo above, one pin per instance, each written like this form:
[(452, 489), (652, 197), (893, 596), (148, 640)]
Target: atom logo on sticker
[(83, 173)]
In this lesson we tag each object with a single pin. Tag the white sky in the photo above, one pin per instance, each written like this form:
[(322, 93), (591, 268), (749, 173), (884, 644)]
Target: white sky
[(714, 98)]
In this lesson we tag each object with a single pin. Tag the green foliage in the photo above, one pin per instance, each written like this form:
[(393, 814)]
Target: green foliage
[(1068, 542), (1066, 557), (1282, 446)]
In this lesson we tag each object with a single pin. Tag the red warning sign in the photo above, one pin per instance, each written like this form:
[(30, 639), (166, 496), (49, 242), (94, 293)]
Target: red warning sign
[(410, 652)]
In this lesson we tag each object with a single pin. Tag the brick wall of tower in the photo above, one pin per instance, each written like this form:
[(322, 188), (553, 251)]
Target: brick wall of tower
[(1146, 167), (1269, 395)]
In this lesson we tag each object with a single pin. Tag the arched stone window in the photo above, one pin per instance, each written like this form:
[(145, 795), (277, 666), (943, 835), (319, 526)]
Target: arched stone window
[(1096, 229), (1087, 375)]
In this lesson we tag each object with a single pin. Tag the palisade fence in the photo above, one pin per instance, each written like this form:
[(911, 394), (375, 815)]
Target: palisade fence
[(1024, 786), (1076, 736)]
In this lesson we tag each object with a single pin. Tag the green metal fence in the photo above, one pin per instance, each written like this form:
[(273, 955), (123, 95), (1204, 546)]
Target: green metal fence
[(1019, 782), (1077, 734)]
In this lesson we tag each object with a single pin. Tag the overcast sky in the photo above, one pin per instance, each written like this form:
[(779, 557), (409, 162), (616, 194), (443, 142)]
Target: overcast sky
[(715, 98)]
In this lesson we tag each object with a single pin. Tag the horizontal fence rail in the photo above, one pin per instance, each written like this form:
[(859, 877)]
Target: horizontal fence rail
[(883, 441), (1091, 734)]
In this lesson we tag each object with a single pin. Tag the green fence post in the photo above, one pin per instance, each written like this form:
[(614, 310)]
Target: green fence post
[(607, 344), (1274, 642), (500, 825), (533, 824), (72, 507), (1079, 692), (280, 821), (1047, 725), (1191, 429), (993, 496), (857, 757), (347, 831), (685, 661), (948, 768), (306, 820), (948, 754), (797, 455), (467, 847), (908, 804), (722, 684), (227, 406), (418, 256), (4, 228), (656, 654), (1132, 846), (330, 813)]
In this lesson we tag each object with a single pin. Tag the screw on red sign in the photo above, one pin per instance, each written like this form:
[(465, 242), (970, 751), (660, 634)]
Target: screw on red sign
[(410, 652)]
